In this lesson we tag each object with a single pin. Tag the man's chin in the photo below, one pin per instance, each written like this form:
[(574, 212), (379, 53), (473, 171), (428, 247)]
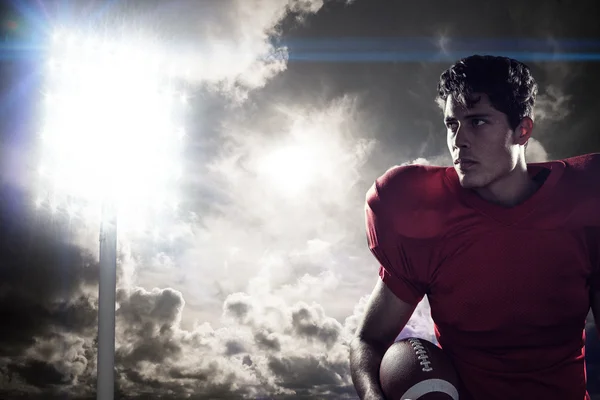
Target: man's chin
[(467, 182)]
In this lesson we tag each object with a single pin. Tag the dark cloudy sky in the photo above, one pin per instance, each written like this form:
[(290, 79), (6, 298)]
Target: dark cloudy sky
[(255, 287)]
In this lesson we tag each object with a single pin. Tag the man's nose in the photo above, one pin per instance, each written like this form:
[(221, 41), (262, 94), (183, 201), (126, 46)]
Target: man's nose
[(461, 138)]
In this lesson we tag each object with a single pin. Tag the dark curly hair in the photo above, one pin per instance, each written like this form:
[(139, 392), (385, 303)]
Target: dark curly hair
[(507, 82)]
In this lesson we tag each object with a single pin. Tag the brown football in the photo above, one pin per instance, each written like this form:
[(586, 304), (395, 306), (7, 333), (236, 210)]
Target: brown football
[(415, 368)]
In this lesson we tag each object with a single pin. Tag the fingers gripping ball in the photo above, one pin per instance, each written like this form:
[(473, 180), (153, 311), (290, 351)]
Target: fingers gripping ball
[(414, 369)]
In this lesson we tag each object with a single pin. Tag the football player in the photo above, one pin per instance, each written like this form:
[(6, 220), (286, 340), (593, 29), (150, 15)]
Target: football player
[(507, 252)]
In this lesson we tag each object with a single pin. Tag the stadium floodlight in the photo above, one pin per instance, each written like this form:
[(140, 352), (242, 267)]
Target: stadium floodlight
[(112, 137)]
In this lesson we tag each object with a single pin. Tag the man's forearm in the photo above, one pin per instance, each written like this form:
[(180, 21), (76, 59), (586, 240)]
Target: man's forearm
[(365, 360)]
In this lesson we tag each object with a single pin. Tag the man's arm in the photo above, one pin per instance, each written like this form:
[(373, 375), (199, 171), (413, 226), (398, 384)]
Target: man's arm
[(385, 316)]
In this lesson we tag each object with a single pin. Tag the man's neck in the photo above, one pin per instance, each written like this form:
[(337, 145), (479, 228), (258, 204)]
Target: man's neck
[(511, 190)]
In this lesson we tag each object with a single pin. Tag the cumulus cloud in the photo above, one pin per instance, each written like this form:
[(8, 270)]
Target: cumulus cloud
[(441, 160), (304, 354), (276, 334), (305, 166), (291, 279), (535, 151), (552, 105), (265, 345), (48, 302), (227, 45)]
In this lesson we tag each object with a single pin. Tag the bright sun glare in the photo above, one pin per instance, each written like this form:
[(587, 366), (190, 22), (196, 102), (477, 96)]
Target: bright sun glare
[(291, 168), (304, 161)]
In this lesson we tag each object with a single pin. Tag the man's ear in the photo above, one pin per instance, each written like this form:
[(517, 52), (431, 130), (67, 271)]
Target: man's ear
[(524, 130)]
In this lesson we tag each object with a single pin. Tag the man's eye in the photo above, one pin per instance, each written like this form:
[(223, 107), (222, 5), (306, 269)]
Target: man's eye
[(478, 122), (452, 126)]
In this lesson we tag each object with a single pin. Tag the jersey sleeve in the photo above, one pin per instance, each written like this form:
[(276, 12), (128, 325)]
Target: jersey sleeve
[(401, 265)]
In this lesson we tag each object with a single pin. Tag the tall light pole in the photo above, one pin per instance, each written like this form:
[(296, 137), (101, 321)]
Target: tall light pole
[(111, 136), (106, 303)]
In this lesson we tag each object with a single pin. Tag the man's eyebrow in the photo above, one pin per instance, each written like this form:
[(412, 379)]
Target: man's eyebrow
[(467, 116)]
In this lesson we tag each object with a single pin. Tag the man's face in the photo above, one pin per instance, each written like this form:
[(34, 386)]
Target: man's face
[(481, 134)]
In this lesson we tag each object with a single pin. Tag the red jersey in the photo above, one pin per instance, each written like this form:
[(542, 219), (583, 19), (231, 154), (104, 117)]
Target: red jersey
[(508, 287)]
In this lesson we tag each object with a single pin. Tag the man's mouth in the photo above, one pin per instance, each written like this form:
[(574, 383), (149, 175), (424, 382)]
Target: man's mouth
[(465, 164)]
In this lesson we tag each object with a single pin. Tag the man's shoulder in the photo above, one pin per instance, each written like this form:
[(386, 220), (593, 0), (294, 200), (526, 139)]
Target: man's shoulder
[(407, 182), (583, 174), (411, 195), (581, 189), (585, 165), (411, 173)]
